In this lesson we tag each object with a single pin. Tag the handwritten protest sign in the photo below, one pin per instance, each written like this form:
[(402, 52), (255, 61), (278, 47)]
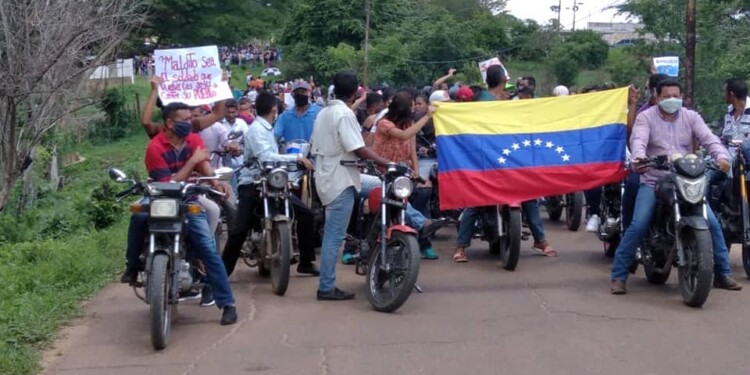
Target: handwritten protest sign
[(191, 76), (669, 65), (484, 65)]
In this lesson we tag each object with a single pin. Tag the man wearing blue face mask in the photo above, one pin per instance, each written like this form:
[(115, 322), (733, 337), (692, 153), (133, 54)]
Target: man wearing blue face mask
[(667, 129)]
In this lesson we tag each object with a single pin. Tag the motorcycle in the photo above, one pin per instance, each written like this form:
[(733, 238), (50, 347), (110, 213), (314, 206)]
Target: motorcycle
[(730, 203), (502, 228), (611, 228), (679, 233), (271, 250), (169, 269), (386, 249), (572, 204)]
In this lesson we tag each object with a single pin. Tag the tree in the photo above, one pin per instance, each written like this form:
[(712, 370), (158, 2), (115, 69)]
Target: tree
[(588, 48), (565, 67), (47, 48)]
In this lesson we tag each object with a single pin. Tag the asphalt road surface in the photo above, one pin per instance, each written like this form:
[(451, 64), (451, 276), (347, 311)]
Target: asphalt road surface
[(550, 316)]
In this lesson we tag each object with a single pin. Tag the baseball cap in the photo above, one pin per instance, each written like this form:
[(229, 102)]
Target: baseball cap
[(301, 84), (439, 96), (464, 94)]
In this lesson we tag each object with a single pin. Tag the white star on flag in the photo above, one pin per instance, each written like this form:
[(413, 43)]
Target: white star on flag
[(550, 145), (566, 157), (526, 143), (515, 146), (506, 152), (560, 150), (501, 160), (537, 142)]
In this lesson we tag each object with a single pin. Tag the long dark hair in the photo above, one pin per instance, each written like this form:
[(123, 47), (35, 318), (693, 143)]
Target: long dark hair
[(399, 111)]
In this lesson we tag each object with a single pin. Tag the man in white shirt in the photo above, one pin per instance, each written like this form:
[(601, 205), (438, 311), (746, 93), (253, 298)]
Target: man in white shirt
[(232, 123), (336, 137), (260, 143)]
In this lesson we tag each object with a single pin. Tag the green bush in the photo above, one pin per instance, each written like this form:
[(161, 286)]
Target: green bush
[(103, 209), (565, 67), (118, 119)]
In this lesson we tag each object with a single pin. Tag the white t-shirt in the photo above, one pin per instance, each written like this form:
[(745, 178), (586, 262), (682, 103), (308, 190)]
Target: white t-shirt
[(336, 135), (240, 125)]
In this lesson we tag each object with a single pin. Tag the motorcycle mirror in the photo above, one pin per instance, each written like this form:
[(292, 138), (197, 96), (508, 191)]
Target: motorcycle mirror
[(117, 175), (224, 173)]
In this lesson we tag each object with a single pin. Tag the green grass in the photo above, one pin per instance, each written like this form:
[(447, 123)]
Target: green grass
[(45, 279)]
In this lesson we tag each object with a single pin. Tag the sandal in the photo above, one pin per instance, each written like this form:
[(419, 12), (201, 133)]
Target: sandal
[(547, 251), (460, 256)]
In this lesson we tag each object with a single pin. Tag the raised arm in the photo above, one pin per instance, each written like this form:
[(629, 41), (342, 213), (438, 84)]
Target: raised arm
[(151, 128), (411, 131), (633, 97), (443, 79)]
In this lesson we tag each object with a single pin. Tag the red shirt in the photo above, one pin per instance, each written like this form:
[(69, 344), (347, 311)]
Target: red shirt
[(163, 160)]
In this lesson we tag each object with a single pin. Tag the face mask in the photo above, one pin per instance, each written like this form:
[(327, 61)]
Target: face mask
[(182, 129), (670, 105), (301, 100)]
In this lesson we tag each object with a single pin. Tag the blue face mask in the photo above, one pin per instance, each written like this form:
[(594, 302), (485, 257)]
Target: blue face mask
[(182, 129), (670, 105)]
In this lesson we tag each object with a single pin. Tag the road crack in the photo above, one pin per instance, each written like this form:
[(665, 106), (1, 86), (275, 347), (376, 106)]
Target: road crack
[(250, 317)]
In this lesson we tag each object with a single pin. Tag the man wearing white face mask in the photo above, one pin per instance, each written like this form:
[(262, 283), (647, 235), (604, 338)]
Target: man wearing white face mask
[(666, 129)]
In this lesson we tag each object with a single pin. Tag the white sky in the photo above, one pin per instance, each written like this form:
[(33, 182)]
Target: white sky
[(588, 10)]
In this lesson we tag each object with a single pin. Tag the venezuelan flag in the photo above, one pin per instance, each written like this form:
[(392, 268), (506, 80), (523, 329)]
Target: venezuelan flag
[(503, 152)]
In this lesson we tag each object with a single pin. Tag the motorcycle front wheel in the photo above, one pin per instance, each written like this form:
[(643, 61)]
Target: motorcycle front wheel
[(159, 285), (574, 210), (698, 274), (512, 247), (280, 257), (387, 290)]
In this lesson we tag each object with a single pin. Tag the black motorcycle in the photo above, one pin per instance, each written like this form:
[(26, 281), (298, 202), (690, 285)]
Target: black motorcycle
[(730, 203), (679, 233), (387, 250), (611, 227), (271, 249), (170, 269), (502, 228), (571, 203)]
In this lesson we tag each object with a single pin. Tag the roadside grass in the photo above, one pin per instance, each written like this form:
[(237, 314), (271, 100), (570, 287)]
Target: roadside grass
[(55, 258)]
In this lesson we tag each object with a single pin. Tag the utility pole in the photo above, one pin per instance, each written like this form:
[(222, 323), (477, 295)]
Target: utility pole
[(690, 54), (575, 10), (367, 41), (558, 10)]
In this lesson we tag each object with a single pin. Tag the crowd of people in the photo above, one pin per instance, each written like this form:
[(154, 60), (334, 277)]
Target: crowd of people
[(348, 121), (256, 54)]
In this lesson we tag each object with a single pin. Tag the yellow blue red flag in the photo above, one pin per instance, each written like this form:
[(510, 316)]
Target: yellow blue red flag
[(504, 152)]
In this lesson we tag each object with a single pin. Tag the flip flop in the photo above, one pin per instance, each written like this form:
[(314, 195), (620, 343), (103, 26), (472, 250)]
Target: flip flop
[(547, 251), (460, 257)]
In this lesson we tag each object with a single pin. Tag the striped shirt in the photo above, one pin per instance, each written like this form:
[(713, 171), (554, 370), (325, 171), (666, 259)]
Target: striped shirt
[(163, 160)]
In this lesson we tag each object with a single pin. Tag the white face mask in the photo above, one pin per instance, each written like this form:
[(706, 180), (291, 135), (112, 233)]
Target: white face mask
[(670, 105)]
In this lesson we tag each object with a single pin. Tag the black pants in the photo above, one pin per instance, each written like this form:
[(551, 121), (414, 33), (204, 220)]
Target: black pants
[(247, 218)]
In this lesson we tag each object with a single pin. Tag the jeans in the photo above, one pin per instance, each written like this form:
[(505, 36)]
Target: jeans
[(632, 183), (593, 200), (337, 217), (420, 200), (213, 212), (248, 210), (470, 215), (645, 206), (202, 245)]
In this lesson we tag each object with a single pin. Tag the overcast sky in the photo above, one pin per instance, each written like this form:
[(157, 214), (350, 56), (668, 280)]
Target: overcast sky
[(588, 10)]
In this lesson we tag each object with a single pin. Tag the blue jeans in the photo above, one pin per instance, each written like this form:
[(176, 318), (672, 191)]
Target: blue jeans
[(470, 215), (337, 220), (645, 206), (202, 245), (632, 183)]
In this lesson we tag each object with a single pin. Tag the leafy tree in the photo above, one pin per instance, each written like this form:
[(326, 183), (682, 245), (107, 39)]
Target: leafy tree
[(588, 48), (564, 66)]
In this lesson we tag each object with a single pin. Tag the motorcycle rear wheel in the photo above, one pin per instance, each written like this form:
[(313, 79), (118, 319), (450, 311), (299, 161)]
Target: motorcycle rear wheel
[(511, 249), (159, 285), (574, 210), (281, 246), (387, 291), (696, 278)]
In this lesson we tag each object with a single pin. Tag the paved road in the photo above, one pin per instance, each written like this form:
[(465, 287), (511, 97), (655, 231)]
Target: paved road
[(550, 316)]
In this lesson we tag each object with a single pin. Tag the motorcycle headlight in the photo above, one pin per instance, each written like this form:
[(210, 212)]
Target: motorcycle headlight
[(691, 190), (278, 178), (164, 208), (402, 187)]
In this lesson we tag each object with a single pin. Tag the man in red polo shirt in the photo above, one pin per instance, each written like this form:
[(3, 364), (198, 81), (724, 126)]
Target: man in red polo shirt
[(173, 155)]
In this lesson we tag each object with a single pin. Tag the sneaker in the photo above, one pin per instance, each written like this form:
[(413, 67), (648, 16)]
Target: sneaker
[(207, 298), (429, 254), (229, 315), (347, 258), (189, 295), (593, 224), (335, 295)]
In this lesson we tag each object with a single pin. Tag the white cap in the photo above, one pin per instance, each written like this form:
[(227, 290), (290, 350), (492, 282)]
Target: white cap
[(560, 91), (439, 96)]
